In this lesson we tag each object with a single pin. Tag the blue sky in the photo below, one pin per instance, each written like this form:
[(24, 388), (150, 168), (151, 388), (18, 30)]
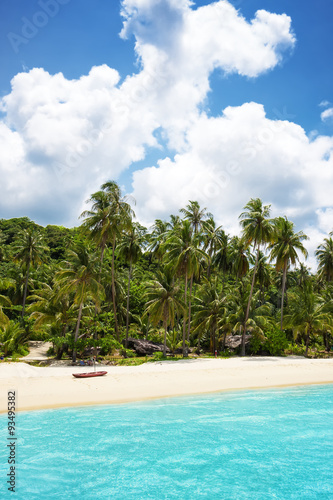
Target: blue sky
[(209, 101)]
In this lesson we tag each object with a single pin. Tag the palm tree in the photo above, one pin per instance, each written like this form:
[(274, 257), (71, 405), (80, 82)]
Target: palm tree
[(259, 316), (29, 249), (185, 258), (239, 257), (215, 243), (80, 276), (52, 308), (195, 215), (130, 249), (210, 310), (257, 230), (309, 313), (324, 254), (4, 302), (13, 336), (284, 250), (109, 216), (2, 246), (163, 302), (263, 275), (157, 238)]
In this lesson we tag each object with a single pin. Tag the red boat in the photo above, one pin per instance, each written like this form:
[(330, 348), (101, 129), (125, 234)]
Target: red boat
[(89, 374)]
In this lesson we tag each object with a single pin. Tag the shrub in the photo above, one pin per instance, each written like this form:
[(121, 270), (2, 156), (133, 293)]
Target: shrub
[(276, 342), (108, 345), (127, 353)]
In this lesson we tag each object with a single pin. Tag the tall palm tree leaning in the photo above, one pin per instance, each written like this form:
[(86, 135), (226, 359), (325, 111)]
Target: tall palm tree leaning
[(130, 248), (257, 230), (80, 276), (29, 249), (284, 250), (110, 214), (163, 301), (324, 254)]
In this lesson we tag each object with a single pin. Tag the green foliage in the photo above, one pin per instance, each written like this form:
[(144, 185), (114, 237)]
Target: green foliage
[(13, 338), (186, 259), (256, 344), (158, 356), (127, 353), (108, 345), (296, 349), (276, 342)]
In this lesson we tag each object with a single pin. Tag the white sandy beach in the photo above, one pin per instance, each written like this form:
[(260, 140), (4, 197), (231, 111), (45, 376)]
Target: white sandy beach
[(51, 387)]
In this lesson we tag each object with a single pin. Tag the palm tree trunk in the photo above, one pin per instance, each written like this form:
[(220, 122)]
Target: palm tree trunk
[(307, 341), (214, 341), (60, 350), (184, 321), (224, 339), (77, 331), (283, 290), (189, 311), (128, 297), (114, 291), (249, 302), (165, 337), (25, 288)]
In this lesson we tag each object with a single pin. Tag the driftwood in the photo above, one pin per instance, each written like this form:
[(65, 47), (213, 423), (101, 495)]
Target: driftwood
[(145, 347), (234, 341)]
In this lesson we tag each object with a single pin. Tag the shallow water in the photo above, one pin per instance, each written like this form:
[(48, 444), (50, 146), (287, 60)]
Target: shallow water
[(270, 444)]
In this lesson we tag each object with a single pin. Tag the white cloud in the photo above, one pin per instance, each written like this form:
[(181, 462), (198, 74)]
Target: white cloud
[(327, 114), (242, 155), (60, 139)]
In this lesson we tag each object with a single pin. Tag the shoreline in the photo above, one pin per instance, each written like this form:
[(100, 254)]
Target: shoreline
[(41, 388)]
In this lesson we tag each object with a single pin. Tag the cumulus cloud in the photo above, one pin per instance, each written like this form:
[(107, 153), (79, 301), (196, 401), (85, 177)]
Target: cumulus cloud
[(241, 155), (60, 139), (327, 114)]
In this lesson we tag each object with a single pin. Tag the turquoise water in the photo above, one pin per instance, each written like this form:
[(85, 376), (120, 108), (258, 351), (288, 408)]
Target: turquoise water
[(272, 444)]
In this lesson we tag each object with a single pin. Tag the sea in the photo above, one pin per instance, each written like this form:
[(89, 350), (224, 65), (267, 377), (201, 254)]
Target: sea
[(259, 444)]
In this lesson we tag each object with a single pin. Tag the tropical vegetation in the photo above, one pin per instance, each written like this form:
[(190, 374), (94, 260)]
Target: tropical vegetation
[(183, 283)]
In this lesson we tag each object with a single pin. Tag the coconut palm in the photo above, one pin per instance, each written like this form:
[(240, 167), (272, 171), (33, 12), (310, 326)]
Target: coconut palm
[(4, 302), (239, 257), (259, 316), (195, 215), (324, 254), (185, 257), (284, 250), (157, 237), (130, 249), (2, 246), (309, 314), (52, 308), (29, 249), (210, 310), (163, 301), (13, 337), (110, 214), (263, 275), (215, 243), (80, 277), (257, 231)]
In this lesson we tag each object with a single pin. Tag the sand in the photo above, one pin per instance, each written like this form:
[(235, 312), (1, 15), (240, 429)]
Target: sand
[(50, 387)]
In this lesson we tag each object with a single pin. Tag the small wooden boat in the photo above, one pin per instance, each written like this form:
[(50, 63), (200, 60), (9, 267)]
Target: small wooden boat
[(89, 374)]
